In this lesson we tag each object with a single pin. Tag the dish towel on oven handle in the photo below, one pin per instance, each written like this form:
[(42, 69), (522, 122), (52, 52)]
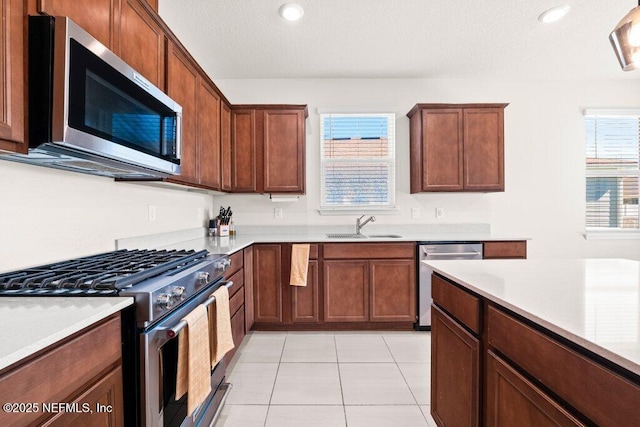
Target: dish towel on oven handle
[(194, 373), (299, 264), (220, 325)]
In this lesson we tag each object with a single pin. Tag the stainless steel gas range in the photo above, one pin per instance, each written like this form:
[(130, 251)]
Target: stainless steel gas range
[(165, 285)]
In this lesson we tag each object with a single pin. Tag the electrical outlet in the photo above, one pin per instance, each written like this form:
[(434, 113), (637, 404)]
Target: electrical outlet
[(277, 213), (439, 213), (415, 212), (152, 212)]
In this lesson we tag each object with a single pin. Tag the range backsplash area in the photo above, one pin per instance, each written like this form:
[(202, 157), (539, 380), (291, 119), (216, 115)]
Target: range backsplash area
[(48, 215)]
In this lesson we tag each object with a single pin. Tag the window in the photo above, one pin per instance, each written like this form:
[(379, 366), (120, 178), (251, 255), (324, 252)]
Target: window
[(357, 166), (612, 158)]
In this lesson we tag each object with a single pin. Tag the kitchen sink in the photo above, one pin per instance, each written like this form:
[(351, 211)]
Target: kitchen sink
[(390, 236)]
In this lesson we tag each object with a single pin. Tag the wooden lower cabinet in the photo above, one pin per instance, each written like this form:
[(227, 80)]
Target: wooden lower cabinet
[(103, 402), (349, 286), (267, 283), (516, 249), (86, 368), (455, 372), (346, 291), (512, 400), (248, 288), (305, 300), (393, 298)]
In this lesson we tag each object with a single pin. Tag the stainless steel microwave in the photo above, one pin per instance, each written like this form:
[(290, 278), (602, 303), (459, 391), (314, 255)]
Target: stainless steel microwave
[(91, 112)]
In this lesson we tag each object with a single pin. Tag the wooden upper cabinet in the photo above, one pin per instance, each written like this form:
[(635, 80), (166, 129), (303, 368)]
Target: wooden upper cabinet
[(208, 135), (439, 150), (182, 87), (141, 41), (457, 147), (284, 151), (243, 151), (484, 149), (12, 77), (225, 140), (98, 18)]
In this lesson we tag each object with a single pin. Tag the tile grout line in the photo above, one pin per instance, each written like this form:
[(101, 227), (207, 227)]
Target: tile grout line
[(405, 381), (266, 417), (344, 408)]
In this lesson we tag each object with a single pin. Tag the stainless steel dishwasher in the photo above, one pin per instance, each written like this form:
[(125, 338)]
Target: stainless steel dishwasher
[(438, 251)]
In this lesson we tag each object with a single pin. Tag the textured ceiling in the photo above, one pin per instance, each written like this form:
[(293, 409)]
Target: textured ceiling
[(400, 38)]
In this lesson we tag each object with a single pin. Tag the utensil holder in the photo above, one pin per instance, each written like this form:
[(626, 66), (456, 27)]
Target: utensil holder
[(223, 230)]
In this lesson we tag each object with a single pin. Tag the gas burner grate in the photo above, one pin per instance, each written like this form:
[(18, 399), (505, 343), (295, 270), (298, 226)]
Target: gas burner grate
[(102, 274)]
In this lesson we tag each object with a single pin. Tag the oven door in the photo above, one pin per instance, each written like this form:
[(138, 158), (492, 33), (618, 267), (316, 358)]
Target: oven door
[(159, 364)]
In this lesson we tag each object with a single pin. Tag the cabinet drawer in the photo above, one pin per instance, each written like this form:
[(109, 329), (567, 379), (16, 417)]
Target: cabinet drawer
[(575, 378), (235, 302), (505, 250), (462, 305), (369, 250), (237, 262), (60, 373), (512, 399), (238, 283)]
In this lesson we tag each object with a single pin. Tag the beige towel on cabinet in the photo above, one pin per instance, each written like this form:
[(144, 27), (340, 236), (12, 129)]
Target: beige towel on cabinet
[(220, 325), (299, 264), (194, 373)]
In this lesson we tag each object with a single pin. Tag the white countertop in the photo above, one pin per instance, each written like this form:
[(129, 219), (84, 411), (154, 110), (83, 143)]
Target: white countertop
[(315, 234), (31, 324), (594, 303)]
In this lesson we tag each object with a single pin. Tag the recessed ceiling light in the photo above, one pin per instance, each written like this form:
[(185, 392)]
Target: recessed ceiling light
[(291, 11), (554, 14)]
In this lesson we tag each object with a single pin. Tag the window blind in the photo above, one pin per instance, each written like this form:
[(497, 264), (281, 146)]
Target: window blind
[(612, 143), (357, 161)]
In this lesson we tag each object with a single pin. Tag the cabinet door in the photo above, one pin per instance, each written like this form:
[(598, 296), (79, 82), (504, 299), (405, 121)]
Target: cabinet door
[(225, 135), (455, 372), (182, 85), (346, 291), (237, 332), (267, 283), (484, 149), (104, 399), (442, 147), (284, 151), (208, 135), (305, 299), (243, 151), (393, 286), (248, 288), (94, 16), (12, 87), (513, 400), (142, 43)]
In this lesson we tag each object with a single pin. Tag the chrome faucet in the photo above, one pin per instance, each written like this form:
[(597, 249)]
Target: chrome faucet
[(359, 224)]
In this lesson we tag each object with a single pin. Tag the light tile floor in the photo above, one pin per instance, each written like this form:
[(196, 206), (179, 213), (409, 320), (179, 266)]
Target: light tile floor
[(327, 379)]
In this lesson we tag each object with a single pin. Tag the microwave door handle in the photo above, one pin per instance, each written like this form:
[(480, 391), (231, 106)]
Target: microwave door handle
[(178, 153), (175, 330)]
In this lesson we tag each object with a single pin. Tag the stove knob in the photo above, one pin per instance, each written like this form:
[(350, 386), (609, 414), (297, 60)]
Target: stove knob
[(178, 293), (203, 278), (164, 301)]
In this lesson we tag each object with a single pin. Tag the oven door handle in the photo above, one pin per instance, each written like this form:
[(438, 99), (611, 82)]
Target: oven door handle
[(175, 330)]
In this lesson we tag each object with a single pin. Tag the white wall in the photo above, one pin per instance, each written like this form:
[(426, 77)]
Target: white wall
[(544, 155), (50, 215)]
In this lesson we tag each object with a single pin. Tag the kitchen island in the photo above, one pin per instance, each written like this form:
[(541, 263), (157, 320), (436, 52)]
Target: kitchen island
[(536, 342)]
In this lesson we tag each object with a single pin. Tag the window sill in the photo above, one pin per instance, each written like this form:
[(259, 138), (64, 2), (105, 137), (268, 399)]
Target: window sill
[(358, 211), (612, 235)]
